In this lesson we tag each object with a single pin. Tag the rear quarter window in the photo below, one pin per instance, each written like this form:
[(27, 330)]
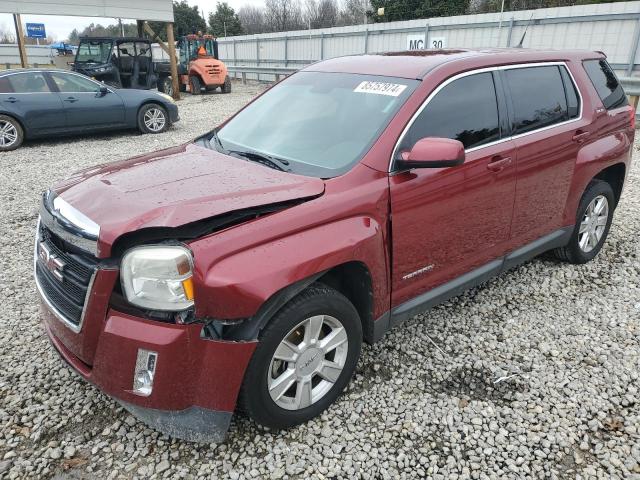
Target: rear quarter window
[(606, 83)]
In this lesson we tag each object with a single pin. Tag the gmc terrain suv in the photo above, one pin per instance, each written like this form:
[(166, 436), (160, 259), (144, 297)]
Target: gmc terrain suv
[(245, 269)]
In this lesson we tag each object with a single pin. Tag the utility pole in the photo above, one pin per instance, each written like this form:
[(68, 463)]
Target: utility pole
[(500, 23), (225, 28), (20, 36), (171, 41), (121, 27)]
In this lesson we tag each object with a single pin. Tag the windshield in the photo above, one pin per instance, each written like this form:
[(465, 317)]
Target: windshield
[(320, 124), (94, 52)]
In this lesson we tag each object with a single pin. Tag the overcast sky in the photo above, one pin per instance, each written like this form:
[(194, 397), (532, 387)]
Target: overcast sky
[(60, 27)]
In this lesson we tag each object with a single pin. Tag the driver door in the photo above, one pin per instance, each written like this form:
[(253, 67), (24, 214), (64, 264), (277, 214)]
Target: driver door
[(449, 221), (85, 107)]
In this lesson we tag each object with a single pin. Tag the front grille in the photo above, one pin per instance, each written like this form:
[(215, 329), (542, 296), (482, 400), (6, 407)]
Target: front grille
[(65, 287), (213, 69)]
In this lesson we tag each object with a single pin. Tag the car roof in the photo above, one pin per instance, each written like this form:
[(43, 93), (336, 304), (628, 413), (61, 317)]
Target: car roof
[(416, 64), (34, 70)]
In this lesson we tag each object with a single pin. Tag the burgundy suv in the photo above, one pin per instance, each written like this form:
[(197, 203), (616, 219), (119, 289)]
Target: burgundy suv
[(248, 266)]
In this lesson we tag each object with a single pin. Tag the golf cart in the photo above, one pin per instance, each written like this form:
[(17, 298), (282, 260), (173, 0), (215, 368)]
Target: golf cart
[(121, 62)]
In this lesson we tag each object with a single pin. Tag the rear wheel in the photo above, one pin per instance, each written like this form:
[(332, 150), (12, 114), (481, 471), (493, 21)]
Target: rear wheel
[(195, 84), (593, 221), (152, 118), (226, 88), (304, 360), (11, 133)]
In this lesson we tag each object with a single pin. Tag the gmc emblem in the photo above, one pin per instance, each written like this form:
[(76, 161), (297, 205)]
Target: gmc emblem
[(50, 261)]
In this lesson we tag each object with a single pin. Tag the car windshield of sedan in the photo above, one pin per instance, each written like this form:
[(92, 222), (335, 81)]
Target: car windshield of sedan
[(94, 52), (315, 123)]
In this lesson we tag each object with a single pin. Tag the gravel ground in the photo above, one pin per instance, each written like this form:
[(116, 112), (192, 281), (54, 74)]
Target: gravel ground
[(533, 375)]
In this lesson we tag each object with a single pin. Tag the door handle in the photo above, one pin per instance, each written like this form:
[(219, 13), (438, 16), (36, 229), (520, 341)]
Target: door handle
[(498, 163), (580, 136), (11, 100), (71, 99)]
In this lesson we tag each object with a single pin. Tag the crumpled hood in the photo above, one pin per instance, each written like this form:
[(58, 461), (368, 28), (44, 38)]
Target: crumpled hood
[(174, 187)]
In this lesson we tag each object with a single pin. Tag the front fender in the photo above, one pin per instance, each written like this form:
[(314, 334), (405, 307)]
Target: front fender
[(236, 286)]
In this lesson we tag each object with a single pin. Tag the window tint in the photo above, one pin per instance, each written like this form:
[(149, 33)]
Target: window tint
[(5, 86), (68, 83), (32, 82), (607, 85), (538, 97), (573, 100), (465, 110)]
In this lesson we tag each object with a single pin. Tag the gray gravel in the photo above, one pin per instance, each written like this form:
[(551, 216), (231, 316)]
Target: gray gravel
[(533, 375)]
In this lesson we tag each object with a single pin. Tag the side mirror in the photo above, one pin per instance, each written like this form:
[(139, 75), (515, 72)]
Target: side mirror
[(432, 152), (103, 90)]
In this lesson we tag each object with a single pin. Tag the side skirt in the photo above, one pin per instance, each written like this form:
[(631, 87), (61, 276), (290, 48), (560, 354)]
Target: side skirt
[(469, 280)]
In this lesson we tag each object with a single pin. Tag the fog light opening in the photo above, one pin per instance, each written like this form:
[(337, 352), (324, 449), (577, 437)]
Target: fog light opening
[(144, 372)]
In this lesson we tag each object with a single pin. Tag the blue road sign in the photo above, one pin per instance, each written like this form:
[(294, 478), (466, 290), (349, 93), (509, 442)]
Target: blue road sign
[(36, 30)]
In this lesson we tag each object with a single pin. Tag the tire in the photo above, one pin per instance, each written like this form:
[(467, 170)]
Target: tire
[(165, 85), (11, 133), (196, 85), (334, 311), (595, 226), (226, 88), (146, 116)]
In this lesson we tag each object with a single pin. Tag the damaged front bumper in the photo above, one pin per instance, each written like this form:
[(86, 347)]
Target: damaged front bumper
[(195, 380)]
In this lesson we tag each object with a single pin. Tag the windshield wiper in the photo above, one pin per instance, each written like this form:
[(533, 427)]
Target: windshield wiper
[(267, 160)]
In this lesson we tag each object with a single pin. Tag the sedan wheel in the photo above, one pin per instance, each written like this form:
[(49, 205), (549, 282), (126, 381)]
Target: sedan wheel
[(11, 134), (152, 118), (307, 362)]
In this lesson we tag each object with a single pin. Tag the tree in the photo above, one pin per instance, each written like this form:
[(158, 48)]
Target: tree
[(252, 19), (283, 15), (224, 22), (186, 19), (321, 13), (354, 12)]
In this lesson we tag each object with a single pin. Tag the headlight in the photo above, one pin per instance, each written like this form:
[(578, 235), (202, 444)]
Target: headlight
[(158, 277), (168, 98)]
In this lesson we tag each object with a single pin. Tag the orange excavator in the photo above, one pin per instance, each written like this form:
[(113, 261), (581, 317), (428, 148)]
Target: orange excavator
[(199, 67)]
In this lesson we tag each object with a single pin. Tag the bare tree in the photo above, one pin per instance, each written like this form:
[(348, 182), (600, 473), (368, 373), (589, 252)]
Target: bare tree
[(7, 35), (354, 12), (321, 13), (283, 15), (252, 19)]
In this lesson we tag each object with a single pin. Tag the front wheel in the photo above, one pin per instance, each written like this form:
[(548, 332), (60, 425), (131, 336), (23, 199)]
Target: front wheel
[(196, 85), (152, 118), (165, 85), (593, 221), (226, 88), (305, 358)]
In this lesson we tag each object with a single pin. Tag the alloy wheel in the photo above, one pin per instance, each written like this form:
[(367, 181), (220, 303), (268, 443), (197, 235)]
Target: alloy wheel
[(307, 362), (8, 133), (593, 224), (154, 119)]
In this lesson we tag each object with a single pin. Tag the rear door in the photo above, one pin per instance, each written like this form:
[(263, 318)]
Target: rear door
[(86, 108), (448, 221), (27, 96), (547, 130)]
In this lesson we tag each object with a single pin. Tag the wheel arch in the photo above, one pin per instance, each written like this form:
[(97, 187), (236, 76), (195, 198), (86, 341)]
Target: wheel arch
[(25, 131), (351, 279), (614, 175)]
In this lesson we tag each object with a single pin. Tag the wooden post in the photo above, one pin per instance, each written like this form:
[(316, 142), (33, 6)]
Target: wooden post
[(173, 61), (20, 37)]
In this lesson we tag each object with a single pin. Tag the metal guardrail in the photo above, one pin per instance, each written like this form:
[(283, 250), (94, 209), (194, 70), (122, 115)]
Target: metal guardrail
[(275, 71)]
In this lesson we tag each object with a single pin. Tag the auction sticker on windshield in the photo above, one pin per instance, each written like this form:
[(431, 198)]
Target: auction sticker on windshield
[(381, 88)]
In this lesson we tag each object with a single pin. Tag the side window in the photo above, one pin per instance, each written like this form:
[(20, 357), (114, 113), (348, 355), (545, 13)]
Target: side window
[(571, 92), (5, 86), (606, 83), (32, 82), (68, 83), (465, 110), (538, 97)]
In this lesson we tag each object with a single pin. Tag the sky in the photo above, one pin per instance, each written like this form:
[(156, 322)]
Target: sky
[(60, 27)]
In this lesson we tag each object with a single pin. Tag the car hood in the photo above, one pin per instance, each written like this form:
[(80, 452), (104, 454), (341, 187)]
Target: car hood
[(174, 187)]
